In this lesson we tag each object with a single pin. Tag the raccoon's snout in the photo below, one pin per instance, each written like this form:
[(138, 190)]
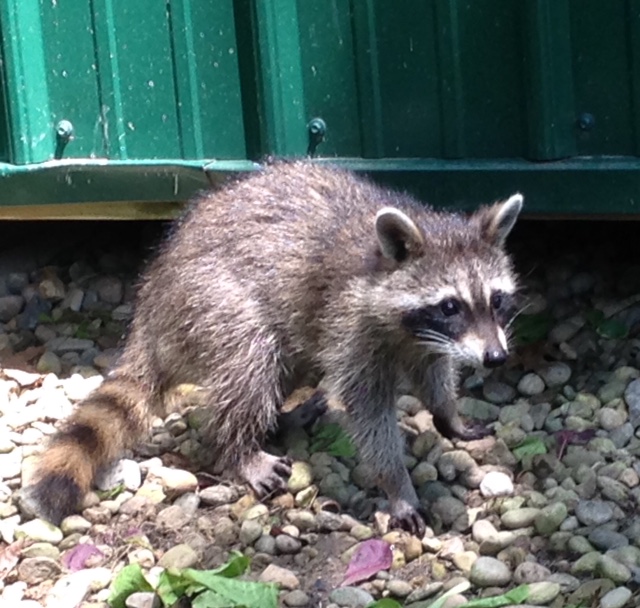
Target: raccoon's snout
[(494, 357)]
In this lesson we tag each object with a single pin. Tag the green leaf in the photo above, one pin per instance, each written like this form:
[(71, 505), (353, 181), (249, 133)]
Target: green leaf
[(529, 447), (594, 317), (112, 493), (332, 439), (129, 580), (612, 328), (237, 593), (460, 588), (529, 329), (44, 318), (515, 596), (385, 603), (172, 585)]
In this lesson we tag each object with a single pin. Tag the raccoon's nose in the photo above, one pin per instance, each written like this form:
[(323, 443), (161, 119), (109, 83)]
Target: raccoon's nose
[(494, 357)]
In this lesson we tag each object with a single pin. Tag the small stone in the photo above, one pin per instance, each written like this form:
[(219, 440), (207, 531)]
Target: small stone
[(542, 593), (143, 599), (594, 512), (295, 599), (11, 464), (464, 560), (265, 544), (489, 572), (287, 544), (616, 598), (550, 518), (496, 483), (531, 384), (350, 597), (608, 567), (555, 374), (73, 524), (498, 392), (175, 481), (173, 518), (519, 518), (10, 306), (39, 530), (225, 531), (179, 557), (49, 362), (41, 550), (281, 576), (483, 529), (530, 572), (399, 588), (611, 418), (632, 397), (604, 539), (214, 496), (250, 532), (425, 592), (35, 570), (301, 477), (110, 289)]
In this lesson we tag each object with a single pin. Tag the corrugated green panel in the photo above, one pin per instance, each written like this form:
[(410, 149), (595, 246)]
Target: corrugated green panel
[(71, 74), (397, 69), (4, 117), (328, 73), (602, 76), (549, 99), (490, 48), (31, 131), (140, 117), (207, 79), (634, 68)]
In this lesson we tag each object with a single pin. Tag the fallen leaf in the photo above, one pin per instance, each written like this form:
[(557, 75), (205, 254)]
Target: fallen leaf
[(369, 558), (76, 559), (9, 557)]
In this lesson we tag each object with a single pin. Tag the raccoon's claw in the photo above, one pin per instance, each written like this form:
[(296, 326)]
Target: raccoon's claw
[(267, 474), (408, 518)]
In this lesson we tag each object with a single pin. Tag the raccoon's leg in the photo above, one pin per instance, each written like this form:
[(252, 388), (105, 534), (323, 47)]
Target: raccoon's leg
[(375, 431), (246, 394), (437, 388)]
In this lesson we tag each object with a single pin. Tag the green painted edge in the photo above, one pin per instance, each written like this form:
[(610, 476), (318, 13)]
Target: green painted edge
[(586, 186)]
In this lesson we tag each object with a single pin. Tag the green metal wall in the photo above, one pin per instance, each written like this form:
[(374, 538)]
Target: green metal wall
[(460, 101)]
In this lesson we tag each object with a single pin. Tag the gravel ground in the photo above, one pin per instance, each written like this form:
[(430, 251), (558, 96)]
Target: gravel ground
[(550, 499)]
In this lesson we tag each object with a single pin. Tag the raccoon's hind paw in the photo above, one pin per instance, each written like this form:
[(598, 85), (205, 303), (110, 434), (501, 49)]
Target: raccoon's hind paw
[(267, 474), (53, 498), (409, 518)]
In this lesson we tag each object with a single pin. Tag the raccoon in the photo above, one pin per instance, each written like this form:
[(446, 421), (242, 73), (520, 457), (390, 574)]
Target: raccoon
[(300, 269)]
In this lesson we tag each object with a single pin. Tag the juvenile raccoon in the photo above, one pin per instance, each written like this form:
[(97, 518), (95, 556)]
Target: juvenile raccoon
[(300, 269)]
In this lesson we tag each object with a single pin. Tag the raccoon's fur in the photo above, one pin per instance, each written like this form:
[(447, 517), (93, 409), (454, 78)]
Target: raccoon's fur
[(299, 269)]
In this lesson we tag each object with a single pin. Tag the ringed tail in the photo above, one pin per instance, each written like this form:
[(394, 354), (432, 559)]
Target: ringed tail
[(102, 426)]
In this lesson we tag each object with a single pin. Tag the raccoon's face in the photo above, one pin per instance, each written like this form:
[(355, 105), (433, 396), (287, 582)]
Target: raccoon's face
[(456, 293)]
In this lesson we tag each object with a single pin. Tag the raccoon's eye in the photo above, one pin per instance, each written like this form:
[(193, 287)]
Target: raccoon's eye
[(450, 307), (496, 300)]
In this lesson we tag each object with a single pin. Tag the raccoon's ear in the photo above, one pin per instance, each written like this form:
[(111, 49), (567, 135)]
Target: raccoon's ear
[(497, 220), (398, 235)]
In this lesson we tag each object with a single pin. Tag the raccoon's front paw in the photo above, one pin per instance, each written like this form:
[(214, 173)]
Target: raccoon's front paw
[(409, 518), (267, 474), (453, 428)]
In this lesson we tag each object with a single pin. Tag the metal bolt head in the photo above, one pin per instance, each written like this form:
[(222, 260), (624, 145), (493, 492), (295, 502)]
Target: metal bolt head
[(64, 130), (586, 121)]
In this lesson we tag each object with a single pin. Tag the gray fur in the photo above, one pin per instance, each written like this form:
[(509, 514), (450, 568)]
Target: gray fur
[(284, 274)]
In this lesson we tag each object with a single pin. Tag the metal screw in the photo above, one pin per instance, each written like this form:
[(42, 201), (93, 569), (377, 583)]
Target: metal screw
[(586, 121), (64, 134), (317, 129)]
